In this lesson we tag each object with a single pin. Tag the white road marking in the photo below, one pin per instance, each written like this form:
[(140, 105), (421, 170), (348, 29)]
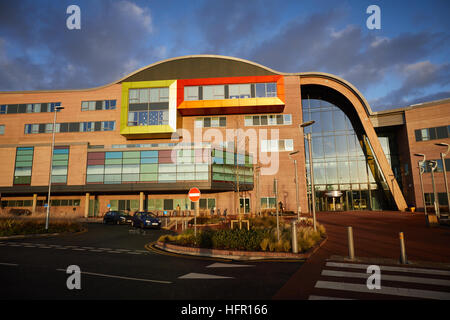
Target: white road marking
[(9, 264), (193, 275), (120, 277), (228, 265), (389, 268), (387, 277), (404, 292)]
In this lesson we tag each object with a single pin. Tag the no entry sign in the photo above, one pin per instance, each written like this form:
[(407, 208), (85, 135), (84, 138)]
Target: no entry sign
[(194, 194)]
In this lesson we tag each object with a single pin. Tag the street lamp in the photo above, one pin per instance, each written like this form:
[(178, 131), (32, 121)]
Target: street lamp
[(421, 170), (51, 167), (313, 192), (433, 165), (296, 183), (443, 155)]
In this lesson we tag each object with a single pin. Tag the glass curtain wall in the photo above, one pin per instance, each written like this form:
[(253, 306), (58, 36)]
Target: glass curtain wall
[(339, 162)]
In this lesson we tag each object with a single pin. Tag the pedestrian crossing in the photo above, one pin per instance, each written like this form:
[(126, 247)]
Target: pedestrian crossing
[(344, 281)]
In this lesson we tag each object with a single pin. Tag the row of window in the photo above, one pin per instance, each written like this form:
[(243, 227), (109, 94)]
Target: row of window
[(70, 127), (432, 133), (442, 198), (439, 168), (41, 203), (277, 145), (268, 120), (98, 105), (28, 108), (210, 122), (148, 95), (230, 91), (162, 204), (148, 118)]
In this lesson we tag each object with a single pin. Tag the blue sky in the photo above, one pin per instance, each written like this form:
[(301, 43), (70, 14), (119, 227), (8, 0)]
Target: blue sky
[(405, 62)]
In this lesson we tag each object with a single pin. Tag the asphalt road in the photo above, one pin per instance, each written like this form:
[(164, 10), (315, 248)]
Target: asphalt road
[(114, 264)]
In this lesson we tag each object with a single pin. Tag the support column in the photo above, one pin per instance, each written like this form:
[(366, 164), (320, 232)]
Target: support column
[(33, 210), (141, 201), (86, 205)]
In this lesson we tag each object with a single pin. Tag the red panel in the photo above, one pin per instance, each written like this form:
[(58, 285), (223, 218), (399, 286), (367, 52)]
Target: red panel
[(228, 80), (96, 155)]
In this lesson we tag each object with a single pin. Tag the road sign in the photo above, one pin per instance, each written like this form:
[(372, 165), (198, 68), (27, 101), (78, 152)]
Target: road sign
[(194, 194)]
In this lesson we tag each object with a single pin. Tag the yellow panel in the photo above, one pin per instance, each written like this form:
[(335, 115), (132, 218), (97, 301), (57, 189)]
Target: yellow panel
[(272, 101), (127, 130)]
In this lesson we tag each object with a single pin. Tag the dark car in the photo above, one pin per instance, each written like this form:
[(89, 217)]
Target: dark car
[(145, 220), (116, 217)]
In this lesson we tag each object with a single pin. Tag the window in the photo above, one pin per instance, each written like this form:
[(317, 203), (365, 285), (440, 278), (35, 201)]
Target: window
[(268, 202), (148, 107), (2, 129), (3, 109), (24, 164), (60, 164), (432, 133), (213, 92), (263, 90), (237, 91), (277, 145), (108, 125), (210, 122), (98, 105), (191, 93), (264, 120)]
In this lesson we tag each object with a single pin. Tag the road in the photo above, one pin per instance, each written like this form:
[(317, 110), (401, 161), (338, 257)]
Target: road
[(114, 264)]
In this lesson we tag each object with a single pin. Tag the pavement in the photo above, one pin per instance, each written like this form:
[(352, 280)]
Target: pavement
[(376, 241)]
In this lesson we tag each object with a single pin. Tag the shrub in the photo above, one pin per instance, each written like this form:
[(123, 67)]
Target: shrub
[(262, 236)]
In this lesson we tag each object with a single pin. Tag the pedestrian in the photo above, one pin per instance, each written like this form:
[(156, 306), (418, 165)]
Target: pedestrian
[(178, 210)]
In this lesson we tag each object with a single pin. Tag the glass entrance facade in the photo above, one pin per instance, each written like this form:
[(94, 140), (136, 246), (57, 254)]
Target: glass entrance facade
[(339, 162)]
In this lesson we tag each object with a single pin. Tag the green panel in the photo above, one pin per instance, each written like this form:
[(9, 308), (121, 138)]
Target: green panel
[(131, 154), (149, 168), (113, 161), (114, 204), (131, 161), (134, 205), (22, 180), (24, 158), (148, 177), (60, 157), (24, 164), (60, 163)]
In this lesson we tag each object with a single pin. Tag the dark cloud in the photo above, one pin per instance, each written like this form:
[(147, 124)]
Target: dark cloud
[(418, 77), (109, 45)]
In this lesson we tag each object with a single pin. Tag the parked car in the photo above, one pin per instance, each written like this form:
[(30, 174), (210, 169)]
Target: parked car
[(116, 217), (143, 220)]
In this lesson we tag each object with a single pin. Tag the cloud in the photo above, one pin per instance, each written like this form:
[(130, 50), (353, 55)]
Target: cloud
[(112, 35), (417, 79)]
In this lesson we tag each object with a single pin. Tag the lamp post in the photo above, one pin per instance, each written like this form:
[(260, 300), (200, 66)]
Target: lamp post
[(443, 155), (313, 191), (433, 165), (421, 170), (296, 183), (51, 167)]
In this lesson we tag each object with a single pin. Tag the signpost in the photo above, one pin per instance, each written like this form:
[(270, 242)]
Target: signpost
[(194, 196)]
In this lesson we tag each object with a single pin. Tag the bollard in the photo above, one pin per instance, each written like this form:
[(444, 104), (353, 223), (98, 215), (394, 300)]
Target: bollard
[(351, 248), (176, 225), (294, 237), (402, 249)]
